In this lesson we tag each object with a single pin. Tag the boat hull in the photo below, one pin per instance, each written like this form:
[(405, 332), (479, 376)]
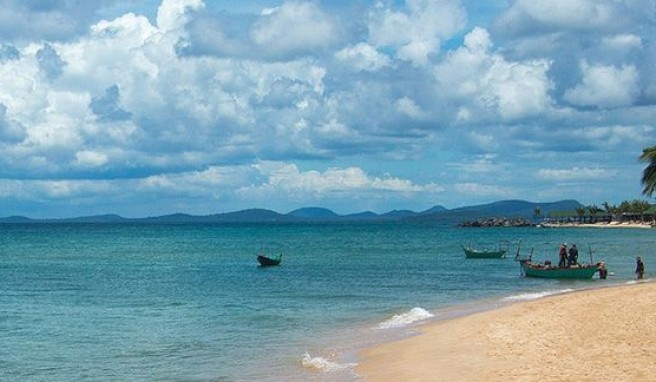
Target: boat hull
[(267, 261), (577, 272), (483, 254)]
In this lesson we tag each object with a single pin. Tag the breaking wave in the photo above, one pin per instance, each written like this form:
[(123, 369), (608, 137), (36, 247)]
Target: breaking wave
[(405, 319), (322, 364), (534, 295)]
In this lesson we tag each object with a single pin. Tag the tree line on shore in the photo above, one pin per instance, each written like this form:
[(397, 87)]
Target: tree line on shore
[(632, 210)]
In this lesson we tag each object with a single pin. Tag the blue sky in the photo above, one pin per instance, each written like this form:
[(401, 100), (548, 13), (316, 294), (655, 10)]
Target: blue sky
[(146, 107)]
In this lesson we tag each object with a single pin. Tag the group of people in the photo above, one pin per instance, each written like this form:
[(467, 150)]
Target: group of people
[(567, 258)]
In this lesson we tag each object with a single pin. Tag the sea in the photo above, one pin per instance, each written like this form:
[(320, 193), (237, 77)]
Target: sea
[(188, 302)]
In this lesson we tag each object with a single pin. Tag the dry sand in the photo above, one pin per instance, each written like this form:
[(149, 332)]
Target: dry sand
[(606, 334)]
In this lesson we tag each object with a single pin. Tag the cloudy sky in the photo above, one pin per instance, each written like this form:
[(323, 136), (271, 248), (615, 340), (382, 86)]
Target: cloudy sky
[(149, 107)]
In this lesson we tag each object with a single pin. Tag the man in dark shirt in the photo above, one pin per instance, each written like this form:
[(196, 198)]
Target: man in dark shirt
[(640, 268), (573, 255)]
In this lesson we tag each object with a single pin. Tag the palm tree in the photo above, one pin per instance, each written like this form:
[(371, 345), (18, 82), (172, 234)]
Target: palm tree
[(649, 173), (640, 207), (594, 210), (537, 212), (580, 211), (610, 209)]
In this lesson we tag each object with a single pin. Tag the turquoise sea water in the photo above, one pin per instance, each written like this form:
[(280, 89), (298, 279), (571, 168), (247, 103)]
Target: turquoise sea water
[(137, 302)]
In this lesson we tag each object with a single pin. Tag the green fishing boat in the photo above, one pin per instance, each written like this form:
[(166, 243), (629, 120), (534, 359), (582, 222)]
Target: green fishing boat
[(578, 271), (488, 253), (472, 253), (546, 270)]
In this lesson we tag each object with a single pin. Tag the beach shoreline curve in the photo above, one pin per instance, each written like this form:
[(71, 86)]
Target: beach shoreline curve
[(602, 333)]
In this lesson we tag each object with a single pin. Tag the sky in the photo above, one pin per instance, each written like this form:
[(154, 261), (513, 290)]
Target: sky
[(148, 107)]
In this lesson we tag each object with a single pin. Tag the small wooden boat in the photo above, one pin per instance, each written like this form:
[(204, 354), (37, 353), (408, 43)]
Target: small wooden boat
[(477, 253), (266, 261), (548, 271), (472, 253), (578, 271)]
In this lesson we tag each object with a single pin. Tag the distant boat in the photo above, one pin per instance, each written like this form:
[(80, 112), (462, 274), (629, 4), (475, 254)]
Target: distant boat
[(477, 253), (266, 261), (473, 253)]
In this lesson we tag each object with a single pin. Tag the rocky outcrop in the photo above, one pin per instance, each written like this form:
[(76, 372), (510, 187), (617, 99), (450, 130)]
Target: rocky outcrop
[(498, 222)]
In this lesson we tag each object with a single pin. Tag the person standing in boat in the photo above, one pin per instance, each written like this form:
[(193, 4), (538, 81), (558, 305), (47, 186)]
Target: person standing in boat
[(573, 255), (562, 256), (640, 268)]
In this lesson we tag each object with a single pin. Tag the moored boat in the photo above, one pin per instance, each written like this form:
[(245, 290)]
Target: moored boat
[(500, 252), (266, 261), (472, 253)]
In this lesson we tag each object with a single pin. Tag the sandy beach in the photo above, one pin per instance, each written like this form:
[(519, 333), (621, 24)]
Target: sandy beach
[(597, 225), (604, 334)]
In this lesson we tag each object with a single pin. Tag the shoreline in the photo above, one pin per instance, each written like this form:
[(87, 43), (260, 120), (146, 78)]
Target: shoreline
[(596, 225), (581, 335)]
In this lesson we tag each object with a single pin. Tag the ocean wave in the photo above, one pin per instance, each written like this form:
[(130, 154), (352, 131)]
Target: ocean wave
[(322, 364), (405, 319), (534, 295)]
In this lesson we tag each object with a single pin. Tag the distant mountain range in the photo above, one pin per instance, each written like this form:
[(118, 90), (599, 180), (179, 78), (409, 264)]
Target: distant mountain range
[(436, 214)]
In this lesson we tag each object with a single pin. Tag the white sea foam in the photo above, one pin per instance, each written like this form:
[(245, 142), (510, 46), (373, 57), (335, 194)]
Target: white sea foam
[(405, 319), (534, 295), (322, 364)]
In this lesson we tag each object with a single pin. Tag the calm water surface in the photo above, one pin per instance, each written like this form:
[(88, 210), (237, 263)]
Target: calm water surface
[(107, 302)]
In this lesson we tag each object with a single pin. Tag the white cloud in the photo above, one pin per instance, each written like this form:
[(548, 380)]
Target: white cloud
[(288, 178), (294, 27), (172, 14), (363, 57), (624, 41), (575, 173), (605, 86), (481, 79), (91, 158), (410, 108), (418, 32), (572, 14)]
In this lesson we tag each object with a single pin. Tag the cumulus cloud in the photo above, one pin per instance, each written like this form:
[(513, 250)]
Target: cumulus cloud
[(485, 81), (605, 86), (418, 31), (363, 57), (575, 173), (290, 178), (526, 15), (294, 27)]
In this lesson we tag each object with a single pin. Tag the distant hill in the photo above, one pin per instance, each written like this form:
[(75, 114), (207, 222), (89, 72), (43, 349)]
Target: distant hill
[(434, 215), (505, 208), (313, 212), (434, 209), (521, 208)]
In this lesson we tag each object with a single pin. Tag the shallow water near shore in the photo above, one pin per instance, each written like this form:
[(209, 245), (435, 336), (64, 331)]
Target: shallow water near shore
[(187, 302)]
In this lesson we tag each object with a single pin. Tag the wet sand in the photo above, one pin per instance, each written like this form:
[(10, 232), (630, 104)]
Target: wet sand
[(601, 334)]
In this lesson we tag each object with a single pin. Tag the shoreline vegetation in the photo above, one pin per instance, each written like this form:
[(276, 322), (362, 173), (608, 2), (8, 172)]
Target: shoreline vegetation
[(522, 222), (606, 333), (599, 225)]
